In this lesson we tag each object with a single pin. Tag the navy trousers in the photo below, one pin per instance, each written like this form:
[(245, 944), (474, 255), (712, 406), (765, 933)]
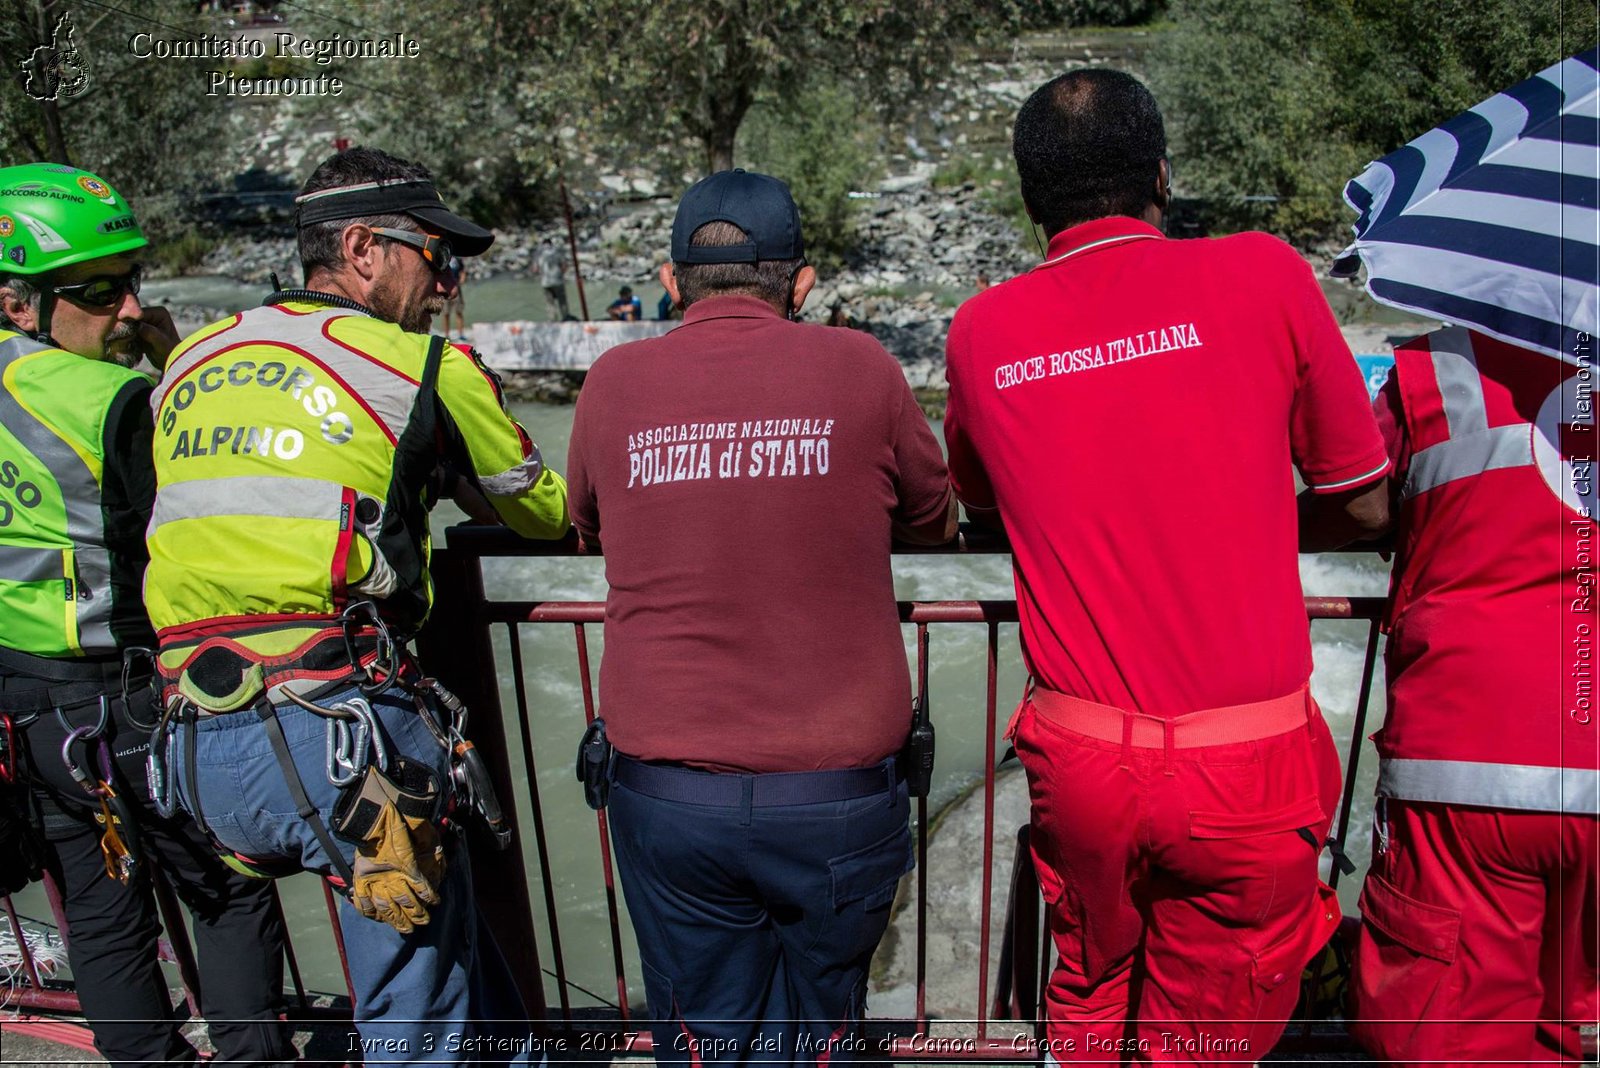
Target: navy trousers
[(756, 925)]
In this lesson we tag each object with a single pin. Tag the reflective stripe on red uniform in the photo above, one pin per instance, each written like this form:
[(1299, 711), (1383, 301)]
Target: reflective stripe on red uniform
[(1491, 622)]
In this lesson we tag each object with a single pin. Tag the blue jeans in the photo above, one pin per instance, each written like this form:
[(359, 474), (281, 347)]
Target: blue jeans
[(756, 925), (418, 997)]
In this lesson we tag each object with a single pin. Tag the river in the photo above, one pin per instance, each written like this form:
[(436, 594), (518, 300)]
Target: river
[(956, 687)]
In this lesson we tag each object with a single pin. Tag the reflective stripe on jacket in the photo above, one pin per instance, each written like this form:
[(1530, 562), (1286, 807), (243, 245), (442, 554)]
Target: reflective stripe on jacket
[(55, 566), (293, 445), (1491, 620)]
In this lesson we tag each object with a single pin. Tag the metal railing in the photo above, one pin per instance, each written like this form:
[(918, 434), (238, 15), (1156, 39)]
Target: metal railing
[(458, 646)]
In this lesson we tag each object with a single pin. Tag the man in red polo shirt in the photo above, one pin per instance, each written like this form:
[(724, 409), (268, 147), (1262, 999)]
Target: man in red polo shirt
[(745, 473), (1132, 409)]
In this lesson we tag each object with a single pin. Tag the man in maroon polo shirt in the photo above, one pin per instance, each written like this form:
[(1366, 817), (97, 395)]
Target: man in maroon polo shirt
[(746, 474), (1132, 409)]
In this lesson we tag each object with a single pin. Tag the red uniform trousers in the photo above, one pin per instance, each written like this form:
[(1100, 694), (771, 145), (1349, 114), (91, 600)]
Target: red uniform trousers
[(1181, 880), (1480, 935)]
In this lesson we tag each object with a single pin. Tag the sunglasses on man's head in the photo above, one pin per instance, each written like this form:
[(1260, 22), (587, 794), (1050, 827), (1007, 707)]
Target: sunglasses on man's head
[(103, 291), (435, 250)]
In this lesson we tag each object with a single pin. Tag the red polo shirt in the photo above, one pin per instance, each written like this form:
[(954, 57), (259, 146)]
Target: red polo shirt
[(743, 473), (1133, 406)]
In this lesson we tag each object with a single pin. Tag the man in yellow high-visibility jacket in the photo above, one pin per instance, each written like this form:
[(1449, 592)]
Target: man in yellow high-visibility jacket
[(76, 489), (294, 448)]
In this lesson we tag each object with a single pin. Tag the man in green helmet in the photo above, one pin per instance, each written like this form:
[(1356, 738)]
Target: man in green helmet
[(76, 708)]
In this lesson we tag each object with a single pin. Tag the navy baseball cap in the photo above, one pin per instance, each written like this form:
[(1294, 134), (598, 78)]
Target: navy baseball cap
[(756, 203)]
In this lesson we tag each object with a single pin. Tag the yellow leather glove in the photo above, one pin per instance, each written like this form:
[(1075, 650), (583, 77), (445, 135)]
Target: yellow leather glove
[(398, 870)]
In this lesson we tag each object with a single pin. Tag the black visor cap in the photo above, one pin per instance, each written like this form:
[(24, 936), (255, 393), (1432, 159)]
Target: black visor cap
[(419, 200)]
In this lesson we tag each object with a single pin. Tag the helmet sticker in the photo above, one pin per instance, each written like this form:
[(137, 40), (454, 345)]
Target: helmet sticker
[(48, 239), (8, 226), (117, 225), (19, 255), (96, 188)]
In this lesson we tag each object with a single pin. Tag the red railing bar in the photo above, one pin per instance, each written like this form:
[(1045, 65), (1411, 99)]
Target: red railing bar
[(910, 611), (987, 909), (28, 963), (177, 938), (288, 952), (1357, 732), (922, 850), (613, 915), (536, 805), (74, 1035), (338, 940), (1047, 947)]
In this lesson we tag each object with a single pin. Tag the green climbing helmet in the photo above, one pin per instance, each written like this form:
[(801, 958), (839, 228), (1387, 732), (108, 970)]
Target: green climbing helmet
[(53, 215)]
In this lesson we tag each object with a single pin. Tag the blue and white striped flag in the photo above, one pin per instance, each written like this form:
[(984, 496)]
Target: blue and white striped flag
[(1492, 220)]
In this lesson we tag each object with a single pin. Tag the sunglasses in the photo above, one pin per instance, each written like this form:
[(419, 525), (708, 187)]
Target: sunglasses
[(105, 291), (435, 250)]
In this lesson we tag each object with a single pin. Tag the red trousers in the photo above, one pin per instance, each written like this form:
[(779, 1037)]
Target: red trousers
[(1480, 936), (1181, 886)]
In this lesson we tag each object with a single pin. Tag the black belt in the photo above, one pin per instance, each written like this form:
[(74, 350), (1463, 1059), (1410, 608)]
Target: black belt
[(62, 669), (666, 782), (67, 682)]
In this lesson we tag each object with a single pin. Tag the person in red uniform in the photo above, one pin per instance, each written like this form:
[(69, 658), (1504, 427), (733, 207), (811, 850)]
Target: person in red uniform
[(745, 474), (1479, 939), (1131, 410)]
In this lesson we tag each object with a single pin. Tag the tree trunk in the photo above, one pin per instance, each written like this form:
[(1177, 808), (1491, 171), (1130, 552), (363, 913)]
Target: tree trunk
[(719, 149), (50, 110), (55, 140)]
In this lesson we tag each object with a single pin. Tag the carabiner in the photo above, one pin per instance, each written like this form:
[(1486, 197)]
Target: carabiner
[(129, 655), (120, 843), (384, 668), (346, 748), (79, 775)]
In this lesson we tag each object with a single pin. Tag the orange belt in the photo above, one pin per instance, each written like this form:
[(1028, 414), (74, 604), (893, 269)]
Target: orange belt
[(1208, 726)]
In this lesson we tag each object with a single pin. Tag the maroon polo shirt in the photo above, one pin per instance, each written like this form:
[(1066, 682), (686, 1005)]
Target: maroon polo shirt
[(1135, 407), (742, 473)]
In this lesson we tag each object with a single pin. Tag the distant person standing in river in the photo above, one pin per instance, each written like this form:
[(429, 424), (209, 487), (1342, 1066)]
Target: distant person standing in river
[(746, 474), (1130, 410), (552, 267)]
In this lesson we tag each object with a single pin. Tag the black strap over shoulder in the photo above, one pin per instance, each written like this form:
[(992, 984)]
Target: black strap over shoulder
[(428, 387)]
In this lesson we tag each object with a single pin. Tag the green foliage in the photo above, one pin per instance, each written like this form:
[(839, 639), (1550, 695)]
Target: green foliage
[(999, 191), (139, 123), (479, 105), (184, 253), (1272, 105), (820, 144), (971, 168), (1046, 14), (695, 70)]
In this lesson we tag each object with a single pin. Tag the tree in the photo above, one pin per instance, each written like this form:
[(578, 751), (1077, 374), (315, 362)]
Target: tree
[(136, 122), (818, 143), (1272, 105), (661, 71), (480, 105)]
